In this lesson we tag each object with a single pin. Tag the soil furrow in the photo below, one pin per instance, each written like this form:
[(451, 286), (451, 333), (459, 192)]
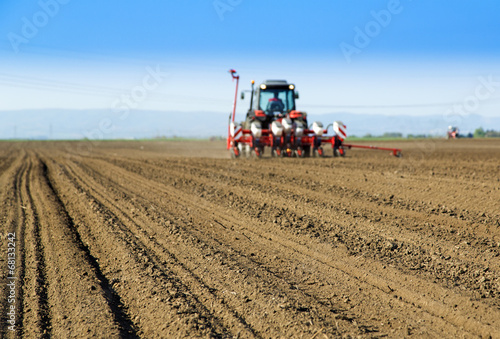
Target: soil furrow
[(325, 181), (169, 239), (228, 261), (112, 298), (171, 295), (37, 317), (327, 186), (442, 260), (6, 162), (12, 251), (401, 290), (76, 307)]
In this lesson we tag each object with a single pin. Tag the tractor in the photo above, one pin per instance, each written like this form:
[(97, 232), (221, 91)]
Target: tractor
[(273, 121)]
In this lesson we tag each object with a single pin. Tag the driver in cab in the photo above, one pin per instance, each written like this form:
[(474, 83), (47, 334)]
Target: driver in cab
[(275, 104)]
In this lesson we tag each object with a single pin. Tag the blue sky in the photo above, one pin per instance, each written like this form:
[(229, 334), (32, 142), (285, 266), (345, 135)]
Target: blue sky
[(387, 57)]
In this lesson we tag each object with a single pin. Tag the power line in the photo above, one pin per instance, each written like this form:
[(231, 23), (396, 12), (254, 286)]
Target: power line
[(93, 90), (440, 104)]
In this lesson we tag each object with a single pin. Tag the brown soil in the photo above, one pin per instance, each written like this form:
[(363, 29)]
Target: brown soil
[(176, 240)]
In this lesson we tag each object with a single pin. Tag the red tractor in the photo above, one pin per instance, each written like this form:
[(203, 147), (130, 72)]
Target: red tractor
[(273, 121)]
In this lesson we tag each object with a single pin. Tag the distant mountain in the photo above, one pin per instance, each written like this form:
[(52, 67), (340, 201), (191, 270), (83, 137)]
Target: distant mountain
[(103, 124)]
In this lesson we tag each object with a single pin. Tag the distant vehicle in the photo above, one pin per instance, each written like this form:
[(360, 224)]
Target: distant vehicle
[(453, 132)]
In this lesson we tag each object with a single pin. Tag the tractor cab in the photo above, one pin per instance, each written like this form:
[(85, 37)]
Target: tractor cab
[(276, 97), (272, 99)]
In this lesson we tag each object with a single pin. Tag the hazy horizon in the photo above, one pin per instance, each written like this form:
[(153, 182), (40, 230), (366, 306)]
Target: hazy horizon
[(383, 57)]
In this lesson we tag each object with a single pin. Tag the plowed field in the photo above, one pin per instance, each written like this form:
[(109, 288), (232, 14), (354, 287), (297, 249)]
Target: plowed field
[(176, 240)]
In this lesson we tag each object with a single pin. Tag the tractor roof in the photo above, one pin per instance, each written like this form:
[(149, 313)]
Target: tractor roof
[(276, 82), (280, 84)]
